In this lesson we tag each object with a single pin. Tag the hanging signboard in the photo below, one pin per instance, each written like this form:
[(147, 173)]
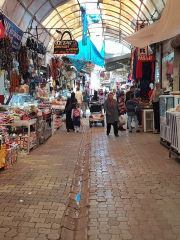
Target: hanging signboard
[(142, 51), (66, 46), (14, 32)]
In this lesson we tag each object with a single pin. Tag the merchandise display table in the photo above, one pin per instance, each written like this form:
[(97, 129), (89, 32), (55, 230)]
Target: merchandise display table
[(25, 142), (174, 134)]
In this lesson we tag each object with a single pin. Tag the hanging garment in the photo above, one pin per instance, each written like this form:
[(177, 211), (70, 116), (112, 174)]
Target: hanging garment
[(147, 70), (139, 67), (170, 67)]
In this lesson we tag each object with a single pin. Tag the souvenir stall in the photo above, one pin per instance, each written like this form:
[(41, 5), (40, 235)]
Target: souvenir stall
[(8, 149), (143, 74), (167, 103)]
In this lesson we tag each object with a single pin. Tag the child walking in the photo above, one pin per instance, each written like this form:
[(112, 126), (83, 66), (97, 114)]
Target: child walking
[(76, 115)]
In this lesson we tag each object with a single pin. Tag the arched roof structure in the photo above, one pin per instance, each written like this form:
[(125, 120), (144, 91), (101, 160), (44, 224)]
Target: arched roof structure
[(118, 18)]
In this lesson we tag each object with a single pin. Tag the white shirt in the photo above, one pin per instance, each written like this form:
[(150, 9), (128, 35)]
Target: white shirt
[(79, 97), (114, 96)]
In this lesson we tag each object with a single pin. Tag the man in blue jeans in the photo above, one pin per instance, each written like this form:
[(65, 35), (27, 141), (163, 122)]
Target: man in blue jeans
[(131, 106), (85, 102)]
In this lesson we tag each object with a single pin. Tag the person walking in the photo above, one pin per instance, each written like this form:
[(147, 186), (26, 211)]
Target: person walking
[(122, 109), (155, 101), (68, 109), (85, 102), (111, 108), (79, 96), (76, 115), (131, 106)]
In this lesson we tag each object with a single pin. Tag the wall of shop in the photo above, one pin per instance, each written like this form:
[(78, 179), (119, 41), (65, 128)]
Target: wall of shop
[(168, 55), (165, 82)]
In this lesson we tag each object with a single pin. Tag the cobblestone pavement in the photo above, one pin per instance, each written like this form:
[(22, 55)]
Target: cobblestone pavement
[(135, 188), (133, 193), (34, 192)]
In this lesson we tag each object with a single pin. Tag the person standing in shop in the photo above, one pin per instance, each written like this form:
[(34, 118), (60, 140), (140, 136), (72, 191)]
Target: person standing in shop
[(85, 102), (111, 108), (155, 101), (68, 109), (132, 89), (131, 106)]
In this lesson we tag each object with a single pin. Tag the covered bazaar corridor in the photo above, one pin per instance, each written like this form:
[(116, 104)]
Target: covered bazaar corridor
[(129, 190), (89, 185)]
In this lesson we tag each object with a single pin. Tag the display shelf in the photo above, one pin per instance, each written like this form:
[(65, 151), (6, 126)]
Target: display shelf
[(148, 122), (24, 123), (175, 134)]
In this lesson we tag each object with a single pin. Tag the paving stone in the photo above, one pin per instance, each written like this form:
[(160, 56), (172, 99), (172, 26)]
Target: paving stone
[(133, 189)]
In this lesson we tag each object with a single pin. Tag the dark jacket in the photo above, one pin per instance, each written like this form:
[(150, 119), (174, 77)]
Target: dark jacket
[(128, 95), (69, 122), (130, 105)]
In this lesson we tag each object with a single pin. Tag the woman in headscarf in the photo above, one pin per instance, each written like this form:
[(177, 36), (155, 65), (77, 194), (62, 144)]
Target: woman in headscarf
[(111, 108), (155, 101), (71, 102)]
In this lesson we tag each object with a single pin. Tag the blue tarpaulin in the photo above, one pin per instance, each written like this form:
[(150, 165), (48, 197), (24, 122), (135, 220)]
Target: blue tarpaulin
[(88, 53), (94, 18), (85, 25)]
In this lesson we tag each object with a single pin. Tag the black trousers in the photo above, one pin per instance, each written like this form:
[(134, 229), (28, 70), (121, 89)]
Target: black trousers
[(115, 126), (156, 115), (139, 117)]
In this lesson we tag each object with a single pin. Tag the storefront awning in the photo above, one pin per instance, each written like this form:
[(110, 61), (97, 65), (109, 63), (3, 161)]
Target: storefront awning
[(165, 28)]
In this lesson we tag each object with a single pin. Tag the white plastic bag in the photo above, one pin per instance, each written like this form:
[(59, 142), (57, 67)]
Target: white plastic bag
[(122, 120)]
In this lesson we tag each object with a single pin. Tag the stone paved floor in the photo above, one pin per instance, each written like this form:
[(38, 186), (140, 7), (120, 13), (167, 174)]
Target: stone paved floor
[(33, 193), (134, 189)]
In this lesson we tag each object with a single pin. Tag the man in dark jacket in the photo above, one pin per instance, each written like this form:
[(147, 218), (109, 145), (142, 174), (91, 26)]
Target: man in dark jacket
[(131, 106), (132, 89)]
